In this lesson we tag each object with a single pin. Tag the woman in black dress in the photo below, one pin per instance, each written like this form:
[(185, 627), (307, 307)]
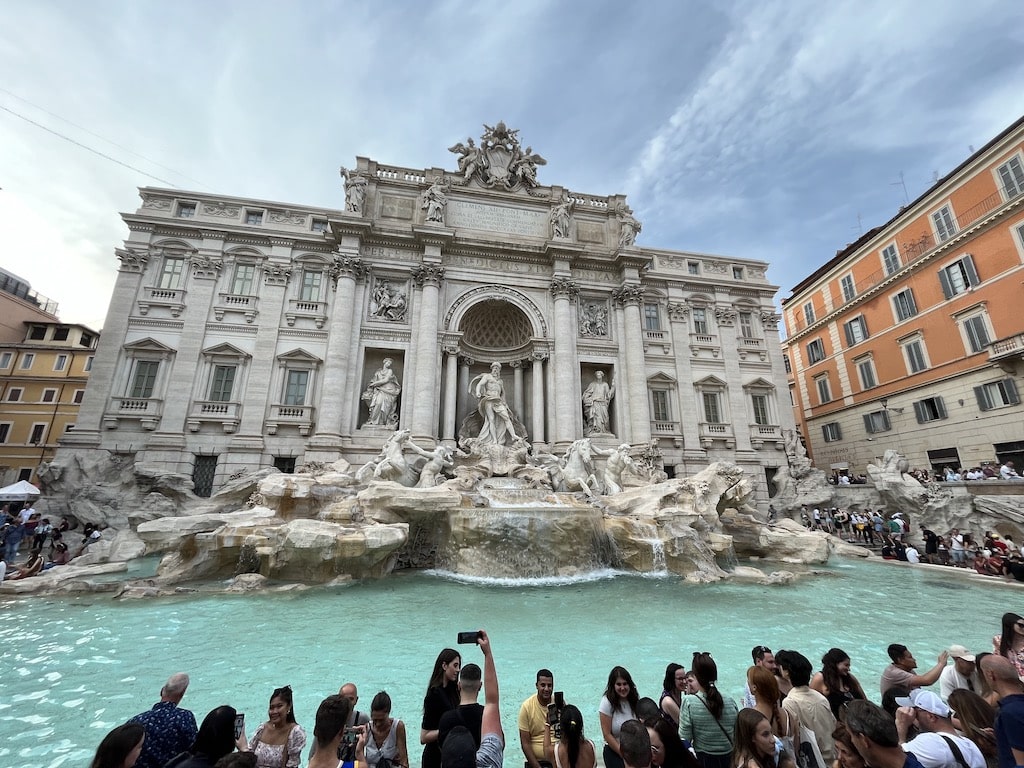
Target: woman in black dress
[(442, 695)]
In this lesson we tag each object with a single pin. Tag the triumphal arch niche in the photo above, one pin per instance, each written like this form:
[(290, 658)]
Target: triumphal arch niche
[(470, 305)]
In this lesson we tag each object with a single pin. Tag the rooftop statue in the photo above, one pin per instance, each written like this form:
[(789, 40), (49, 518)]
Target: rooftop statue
[(499, 160)]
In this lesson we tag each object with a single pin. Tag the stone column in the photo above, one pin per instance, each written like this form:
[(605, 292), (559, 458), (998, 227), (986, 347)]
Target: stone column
[(565, 292), (424, 411), (725, 318), (462, 406), (451, 386), (326, 443), (631, 297), (517, 390), (689, 408), (537, 374)]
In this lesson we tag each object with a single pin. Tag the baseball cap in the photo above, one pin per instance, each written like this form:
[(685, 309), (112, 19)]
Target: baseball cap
[(959, 652), (919, 698), (459, 749)]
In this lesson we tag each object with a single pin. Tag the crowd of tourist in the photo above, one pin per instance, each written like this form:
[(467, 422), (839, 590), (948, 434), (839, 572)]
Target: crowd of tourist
[(790, 716), (29, 538)]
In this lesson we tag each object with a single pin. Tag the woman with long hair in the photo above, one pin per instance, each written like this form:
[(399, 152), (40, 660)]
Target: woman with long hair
[(120, 748), (707, 719), (672, 692), (279, 741), (573, 749), (385, 738), (765, 691), (442, 695), (215, 740), (667, 749), (835, 682), (847, 755), (756, 745), (1010, 642), (976, 719), (618, 705)]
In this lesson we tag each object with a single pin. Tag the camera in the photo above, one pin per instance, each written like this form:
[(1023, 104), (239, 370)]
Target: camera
[(347, 747), (555, 714), (469, 638)]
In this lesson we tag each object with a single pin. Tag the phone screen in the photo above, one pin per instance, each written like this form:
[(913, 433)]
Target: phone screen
[(239, 724)]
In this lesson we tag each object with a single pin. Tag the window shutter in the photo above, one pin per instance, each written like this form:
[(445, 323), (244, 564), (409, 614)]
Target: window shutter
[(885, 420), (839, 431), (868, 424), (911, 304), (984, 403), (864, 326), (825, 433), (1010, 387), (972, 273), (849, 334), (947, 289), (940, 406), (919, 412)]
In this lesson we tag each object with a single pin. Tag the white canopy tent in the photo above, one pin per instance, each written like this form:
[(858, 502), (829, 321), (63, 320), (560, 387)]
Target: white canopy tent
[(22, 490)]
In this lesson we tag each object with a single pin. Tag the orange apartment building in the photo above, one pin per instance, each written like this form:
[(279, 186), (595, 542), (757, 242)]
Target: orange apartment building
[(42, 381), (912, 337)]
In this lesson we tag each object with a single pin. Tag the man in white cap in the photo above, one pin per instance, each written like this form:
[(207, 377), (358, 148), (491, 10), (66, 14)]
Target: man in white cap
[(938, 745), (961, 674)]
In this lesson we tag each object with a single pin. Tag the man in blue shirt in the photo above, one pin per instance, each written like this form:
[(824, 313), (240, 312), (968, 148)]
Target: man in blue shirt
[(170, 729), (1002, 676)]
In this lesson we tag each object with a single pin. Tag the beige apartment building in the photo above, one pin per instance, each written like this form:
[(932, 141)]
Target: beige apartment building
[(912, 337)]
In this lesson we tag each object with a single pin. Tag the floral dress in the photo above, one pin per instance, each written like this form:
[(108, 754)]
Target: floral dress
[(273, 755)]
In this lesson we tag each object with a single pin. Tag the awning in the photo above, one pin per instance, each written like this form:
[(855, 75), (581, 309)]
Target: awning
[(22, 490), (840, 465)]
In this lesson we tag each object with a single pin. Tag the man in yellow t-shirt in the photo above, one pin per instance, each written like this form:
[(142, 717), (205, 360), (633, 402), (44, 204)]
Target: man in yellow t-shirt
[(533, 717)]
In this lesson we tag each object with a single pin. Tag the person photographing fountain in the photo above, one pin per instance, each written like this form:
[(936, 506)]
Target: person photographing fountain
[(459, 749)]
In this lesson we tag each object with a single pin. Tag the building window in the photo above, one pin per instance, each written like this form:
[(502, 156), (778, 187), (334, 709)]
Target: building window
[(877, 421), (186, 210), (25, 473), (929, 409), (77, 398), (69, 427), (241, 283), (36, 436), (60, 363), (945, 226), (809, 313), (997, 394), (831, 432), (37, 332), (296, 383), (143, 378), (659, 405), (746, 325), (171, 273), (5, 359), (85, 340), (890, 259), (976, 333), (652, 321), (914, 353), (61, 334), (824, 389), (792, 397), (1012, 175), (856, 330), (14, 395), (222, 383), (88, 364), (693, 267), (904, 304), (319, 225), (737, 273), (700, 321), (712, 408), (849, 290), (254, 217), (786, 364), (49, 395), (958, 277), (312, 281), (26, 361), (815, 351), (760, 406), (866, 372), (285, 464), (5, 432)]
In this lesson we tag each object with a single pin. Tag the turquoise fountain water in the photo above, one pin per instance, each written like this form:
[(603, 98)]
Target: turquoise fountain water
[(74, 668)]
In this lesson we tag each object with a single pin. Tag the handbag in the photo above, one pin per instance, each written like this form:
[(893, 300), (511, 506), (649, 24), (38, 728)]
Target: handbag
[(808, 755)]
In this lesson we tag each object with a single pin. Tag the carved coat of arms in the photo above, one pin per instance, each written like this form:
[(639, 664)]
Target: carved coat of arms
[(499, 160)]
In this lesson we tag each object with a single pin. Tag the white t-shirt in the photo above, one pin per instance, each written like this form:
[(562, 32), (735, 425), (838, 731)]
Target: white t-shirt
[(933, 751), (913, 556), (618, 716)]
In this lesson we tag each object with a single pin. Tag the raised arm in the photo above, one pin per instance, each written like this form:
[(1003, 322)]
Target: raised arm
[(491, 722), (929, 677)]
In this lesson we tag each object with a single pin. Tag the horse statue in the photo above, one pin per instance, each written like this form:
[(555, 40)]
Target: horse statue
[(578, 468)]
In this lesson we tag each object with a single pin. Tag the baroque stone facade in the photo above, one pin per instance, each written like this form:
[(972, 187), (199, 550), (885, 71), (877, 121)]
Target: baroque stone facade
[(246, 333)]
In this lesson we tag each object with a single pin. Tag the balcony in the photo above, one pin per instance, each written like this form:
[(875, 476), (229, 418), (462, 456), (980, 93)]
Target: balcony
[(749, 346), (146, 410), (169, 298), (659, 428), (1007, 353), (660, 338), (300, 416), (235, 303), (704, 343), (710, 432), (309, 310), (224, 413), (766, 433)]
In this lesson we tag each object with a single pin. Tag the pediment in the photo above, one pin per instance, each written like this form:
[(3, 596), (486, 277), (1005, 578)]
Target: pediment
[(148, 344), (710, 381), (661, 378), (759, 383), (225, 350), (299, 356)]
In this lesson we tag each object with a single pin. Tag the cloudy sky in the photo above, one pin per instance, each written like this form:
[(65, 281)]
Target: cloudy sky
[(769, 129)]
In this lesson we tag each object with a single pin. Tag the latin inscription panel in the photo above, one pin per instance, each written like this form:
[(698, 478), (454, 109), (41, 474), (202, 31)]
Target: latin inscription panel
[(393, 207), (485, 217)]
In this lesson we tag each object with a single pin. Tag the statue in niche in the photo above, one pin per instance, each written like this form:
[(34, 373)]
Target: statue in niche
[(388, 302), (469, 158), (434, 201), (629, 227), (381, 396), (355, 189), (561, 217), (596, 400), (593, 320), (497, 428)]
